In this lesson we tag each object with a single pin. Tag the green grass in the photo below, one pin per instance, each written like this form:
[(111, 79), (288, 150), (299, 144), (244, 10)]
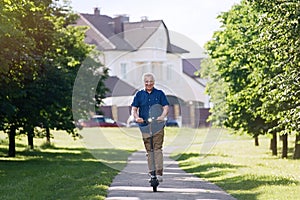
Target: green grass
[(84, 168), (243, 170), (63, 170)]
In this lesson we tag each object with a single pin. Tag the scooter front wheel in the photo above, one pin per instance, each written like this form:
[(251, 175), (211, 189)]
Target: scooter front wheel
[(154, 183), (154, 188)]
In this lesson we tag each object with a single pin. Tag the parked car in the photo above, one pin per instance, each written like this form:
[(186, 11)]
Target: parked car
[(172, 123), (99, 121)]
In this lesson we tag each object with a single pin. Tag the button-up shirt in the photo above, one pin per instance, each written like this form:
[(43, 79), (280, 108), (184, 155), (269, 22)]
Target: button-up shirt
[(145, 101)]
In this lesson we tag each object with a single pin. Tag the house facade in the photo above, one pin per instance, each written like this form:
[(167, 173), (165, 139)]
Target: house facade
[(130, 49)]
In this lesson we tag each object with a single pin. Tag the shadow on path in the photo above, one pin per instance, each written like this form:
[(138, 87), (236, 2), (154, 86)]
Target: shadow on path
[(132, 183)]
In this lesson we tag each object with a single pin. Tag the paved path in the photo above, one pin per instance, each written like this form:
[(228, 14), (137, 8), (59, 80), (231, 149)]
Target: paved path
[(132, 183)]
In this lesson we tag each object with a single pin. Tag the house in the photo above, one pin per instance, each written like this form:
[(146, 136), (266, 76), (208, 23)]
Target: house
[(133, 48)]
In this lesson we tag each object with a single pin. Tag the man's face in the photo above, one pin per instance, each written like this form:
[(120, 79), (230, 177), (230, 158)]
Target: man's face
[(149, 83)]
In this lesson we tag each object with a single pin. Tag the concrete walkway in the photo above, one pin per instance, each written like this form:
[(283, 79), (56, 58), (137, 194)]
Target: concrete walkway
[(132, 183)]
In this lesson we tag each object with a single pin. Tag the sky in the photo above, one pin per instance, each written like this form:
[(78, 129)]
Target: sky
[(195, 19)]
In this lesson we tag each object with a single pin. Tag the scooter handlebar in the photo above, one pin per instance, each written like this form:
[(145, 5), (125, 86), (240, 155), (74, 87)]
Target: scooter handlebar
[(151, 119)]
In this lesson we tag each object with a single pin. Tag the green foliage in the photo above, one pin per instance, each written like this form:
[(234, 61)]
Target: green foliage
[(231, 52), (217, 88), (280, 36), (89, 88), (256, 53), (42, 53)]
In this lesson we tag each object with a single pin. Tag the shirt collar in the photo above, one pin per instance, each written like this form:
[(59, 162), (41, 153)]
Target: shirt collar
[(151, 91)]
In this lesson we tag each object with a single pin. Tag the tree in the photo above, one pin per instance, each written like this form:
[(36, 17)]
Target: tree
[(280, 35), (256, 54), (217, 88), (230, 50), (18, 59), (40, 80)]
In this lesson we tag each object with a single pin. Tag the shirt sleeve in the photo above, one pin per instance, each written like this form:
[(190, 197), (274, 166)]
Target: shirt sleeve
[(164, 100), (135, 101)]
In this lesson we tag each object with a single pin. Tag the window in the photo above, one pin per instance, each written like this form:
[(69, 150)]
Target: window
[(169, 71), (141, 68), (124, 70), (157, 69)]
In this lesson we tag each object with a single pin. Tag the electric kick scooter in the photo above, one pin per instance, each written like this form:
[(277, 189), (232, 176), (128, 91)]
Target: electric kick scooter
[(154, 112), (153, 181)]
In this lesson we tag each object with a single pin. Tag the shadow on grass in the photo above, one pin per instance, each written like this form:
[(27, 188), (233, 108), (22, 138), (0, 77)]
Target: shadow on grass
[(210, 170), (251, 181), (59, 173), (219, 173), (185, 156)]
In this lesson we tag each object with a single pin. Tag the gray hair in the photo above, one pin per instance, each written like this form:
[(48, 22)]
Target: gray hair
[(148, 74)]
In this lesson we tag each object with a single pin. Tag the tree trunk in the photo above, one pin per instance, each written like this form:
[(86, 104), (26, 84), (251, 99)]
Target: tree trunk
[(274, 144), (284, 146), (256, 140), (12, 142), (297, 147), (48, 135), (30, 136)]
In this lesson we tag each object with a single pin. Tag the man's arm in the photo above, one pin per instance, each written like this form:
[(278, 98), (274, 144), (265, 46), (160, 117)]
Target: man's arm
[(134, 113), (164, 113)]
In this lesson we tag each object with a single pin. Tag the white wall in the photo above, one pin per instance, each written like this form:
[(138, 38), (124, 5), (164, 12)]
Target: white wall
[(153, 57)]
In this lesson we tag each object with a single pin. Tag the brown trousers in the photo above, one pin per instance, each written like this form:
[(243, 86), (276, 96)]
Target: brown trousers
[(158, 139)]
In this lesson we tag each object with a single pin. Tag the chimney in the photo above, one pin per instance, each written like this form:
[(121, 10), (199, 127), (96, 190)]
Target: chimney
[(119, 21), (144, 19), (96, 11)]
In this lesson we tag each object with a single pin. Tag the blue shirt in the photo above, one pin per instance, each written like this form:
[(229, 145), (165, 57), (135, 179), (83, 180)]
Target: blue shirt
[(144, 101)]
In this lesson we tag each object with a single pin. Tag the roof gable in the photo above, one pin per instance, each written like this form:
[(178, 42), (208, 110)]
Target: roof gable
[(117, 87), (124, 35), (137, 33), (105, 25)]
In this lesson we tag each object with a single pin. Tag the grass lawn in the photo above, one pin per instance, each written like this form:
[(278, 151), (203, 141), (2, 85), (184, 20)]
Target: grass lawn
[(84, 168), (65, 170), (243, 170)]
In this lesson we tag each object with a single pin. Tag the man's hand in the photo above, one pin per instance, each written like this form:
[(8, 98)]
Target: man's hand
[(160, 118), (164, 114), (139, 120)]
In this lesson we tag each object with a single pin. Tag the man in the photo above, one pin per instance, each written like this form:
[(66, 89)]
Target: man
[(143, 103)]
